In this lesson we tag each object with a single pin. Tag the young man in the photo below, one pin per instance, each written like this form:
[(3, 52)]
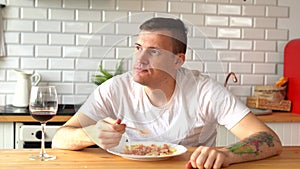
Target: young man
[(175, 104)]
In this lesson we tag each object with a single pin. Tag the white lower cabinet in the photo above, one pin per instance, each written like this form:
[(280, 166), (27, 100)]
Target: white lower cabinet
[(6, 135), (289, 134)]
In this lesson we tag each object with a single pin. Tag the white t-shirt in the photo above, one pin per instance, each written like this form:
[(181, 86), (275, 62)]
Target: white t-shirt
[(190, 118)]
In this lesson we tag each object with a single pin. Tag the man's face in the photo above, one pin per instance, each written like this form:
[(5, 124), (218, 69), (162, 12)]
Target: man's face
[(154, 61)]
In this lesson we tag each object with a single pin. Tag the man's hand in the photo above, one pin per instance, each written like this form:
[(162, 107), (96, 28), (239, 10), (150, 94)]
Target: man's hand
[(109, 132), (207, 158)]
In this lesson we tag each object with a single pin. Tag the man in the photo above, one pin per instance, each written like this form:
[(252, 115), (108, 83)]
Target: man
[(175, 104)]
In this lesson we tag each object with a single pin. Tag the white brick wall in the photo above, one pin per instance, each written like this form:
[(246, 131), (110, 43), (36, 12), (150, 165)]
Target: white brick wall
[(65, 40)]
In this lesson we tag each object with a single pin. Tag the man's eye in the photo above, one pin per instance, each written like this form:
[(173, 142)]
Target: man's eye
[(138, 48), (154, 52)]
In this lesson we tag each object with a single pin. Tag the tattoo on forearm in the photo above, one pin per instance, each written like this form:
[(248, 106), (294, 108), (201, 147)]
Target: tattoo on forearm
[(252, 144)]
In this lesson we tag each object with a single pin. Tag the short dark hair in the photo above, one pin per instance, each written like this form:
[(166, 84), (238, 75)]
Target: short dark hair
[(175, 26)]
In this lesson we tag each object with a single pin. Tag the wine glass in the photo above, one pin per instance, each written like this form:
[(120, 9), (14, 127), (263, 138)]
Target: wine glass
[(43, 106)]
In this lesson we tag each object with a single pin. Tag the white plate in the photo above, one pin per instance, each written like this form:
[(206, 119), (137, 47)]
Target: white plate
[(120, 149)]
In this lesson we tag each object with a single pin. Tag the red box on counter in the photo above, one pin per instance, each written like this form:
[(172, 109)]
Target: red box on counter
[(292, 72)]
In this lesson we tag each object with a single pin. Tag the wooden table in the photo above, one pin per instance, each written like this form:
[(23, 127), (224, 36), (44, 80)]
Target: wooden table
[(98, 158)]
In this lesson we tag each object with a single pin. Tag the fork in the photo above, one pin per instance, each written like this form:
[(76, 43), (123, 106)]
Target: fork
[(141, 131)]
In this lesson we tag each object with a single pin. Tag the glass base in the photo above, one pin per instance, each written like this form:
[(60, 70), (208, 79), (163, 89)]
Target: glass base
[(43, 157)]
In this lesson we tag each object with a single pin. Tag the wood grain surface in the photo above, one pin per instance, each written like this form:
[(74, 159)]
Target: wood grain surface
[(98, 158)]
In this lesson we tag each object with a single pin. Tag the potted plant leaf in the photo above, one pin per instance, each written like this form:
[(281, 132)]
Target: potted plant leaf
[(105, 75)]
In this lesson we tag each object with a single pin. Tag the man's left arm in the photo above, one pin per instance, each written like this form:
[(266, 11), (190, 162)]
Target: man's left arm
[(258, 141)]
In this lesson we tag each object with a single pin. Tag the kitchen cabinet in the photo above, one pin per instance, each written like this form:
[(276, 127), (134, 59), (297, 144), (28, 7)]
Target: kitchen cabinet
[(6, 135), (286, 125), (288, 132)]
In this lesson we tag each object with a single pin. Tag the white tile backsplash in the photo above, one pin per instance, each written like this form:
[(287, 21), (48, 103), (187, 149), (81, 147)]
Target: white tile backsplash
[(74, 76), (75, 27), (61, 64), (180, 7), (84, 88), (275, 11), (34, 13), (216, 20), (216, 44), (132, 5), (103, 5), (61, 39), (204, 31), (249, 56), (66, 40), (265, 2), (234, 56), (205, 8), (240, 67), (241, 44), (91, 40), (154, 6), (48, 51), (260, 22), (11, 12), (274, 57), (61, 14), (229, 10), (248, 10), (50, 75), (34, 63), (28, 3), (114, 16), (47, 26), (276, 34), (19, 25), (12, 37), (250, 33), (241, 21), (9, 63), (102, 28), (85, 15), (260, 45), (77, 4), (20, 50), (264, 68), (75, 51), (34, 38), (48, 4), (229, 33)]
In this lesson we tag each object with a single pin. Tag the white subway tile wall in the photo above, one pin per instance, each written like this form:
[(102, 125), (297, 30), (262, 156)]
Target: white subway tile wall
[(66, 40)]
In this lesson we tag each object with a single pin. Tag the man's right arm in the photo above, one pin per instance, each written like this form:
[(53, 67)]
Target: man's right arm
[(81, 131), (72, 134)]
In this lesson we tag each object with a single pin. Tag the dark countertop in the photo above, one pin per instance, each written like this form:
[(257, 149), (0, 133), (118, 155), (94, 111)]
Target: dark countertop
[(63, 110)]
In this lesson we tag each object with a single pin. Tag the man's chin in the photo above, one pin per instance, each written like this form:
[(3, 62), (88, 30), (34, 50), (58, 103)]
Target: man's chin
[(138, 79)]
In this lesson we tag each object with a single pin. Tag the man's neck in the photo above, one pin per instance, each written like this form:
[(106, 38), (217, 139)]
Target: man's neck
[(161, 94)]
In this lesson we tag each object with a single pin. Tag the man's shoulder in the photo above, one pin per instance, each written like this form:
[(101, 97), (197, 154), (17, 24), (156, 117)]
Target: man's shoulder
[(192, 74)]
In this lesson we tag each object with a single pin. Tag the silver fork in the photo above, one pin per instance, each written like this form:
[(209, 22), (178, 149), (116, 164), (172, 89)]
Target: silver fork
[(141, 131)]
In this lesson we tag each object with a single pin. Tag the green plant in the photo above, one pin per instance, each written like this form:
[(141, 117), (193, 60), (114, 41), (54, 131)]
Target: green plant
[(105, 75)]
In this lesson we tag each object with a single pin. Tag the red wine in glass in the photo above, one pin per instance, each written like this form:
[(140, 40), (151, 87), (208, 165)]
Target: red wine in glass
[(43, 107)]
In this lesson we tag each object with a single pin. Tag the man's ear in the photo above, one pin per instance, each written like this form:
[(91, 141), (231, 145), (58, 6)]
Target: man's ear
[(179, 60)]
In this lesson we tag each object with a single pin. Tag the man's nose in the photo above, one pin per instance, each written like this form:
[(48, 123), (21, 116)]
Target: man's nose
[(142, 57)]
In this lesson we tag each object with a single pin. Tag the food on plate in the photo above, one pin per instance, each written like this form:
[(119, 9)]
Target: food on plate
[(149, 150)]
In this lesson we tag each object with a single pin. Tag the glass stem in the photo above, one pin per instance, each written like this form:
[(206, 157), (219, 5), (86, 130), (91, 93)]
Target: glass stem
[(43, 151)]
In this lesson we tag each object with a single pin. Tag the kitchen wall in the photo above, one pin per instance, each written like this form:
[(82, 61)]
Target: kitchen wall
[(66, 40)]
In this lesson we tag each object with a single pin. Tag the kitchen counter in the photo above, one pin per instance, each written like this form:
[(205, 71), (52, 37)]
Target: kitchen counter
[(286, 117), (9, 113), (98, 158), (65, 112)]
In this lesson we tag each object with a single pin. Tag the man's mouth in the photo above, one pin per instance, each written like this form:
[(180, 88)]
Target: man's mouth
[(141, 68)]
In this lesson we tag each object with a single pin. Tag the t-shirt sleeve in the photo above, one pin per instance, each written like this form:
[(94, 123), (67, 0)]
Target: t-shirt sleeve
[(97, 106), (228, 109)]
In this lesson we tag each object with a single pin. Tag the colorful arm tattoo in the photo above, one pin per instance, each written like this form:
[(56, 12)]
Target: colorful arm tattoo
[(252, 144)]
